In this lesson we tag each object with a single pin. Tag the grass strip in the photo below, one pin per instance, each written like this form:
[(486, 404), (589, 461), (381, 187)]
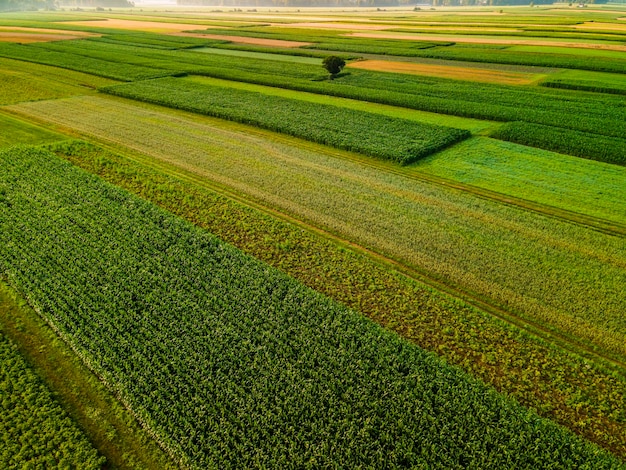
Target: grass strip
[(570, 184), (230, 361), (575, 392), (16, 132), (399, 140), (110, 428), (27, 81), (35, 432)]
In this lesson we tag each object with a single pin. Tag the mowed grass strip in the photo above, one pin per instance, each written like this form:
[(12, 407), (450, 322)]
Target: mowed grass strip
[(562, 276), (568, 183), (232, 363), (15, 131), (35, 432), (107, 425), (399, 140), (576, 393)]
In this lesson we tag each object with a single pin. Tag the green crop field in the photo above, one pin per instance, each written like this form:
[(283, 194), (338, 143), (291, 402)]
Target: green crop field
[(585, 187), (266, 372), (539, 376), (482, 247), (21, 81), (433, 239)]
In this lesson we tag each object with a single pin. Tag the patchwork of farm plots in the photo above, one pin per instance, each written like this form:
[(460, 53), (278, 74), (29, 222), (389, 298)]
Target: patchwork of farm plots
[(290, 378), (484, 248), (421, 187)]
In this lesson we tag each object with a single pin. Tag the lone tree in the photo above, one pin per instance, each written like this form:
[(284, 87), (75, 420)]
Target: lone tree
[(333, 65)]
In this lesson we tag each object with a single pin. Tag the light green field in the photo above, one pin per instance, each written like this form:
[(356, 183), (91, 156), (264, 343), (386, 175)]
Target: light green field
[(550, 272), (25, 81), (260, 55), (16, 132), (589, 81), (473, 125), (569, 183)]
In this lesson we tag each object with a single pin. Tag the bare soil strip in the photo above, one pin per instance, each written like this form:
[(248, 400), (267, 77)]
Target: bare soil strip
[(247, 40), (24, 38), (446, 71), (28, 35), (473, 40), (348, 26)]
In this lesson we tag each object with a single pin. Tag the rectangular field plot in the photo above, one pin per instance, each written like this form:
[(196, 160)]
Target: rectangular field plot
[(574, 184), (567, 277), (25, 81)]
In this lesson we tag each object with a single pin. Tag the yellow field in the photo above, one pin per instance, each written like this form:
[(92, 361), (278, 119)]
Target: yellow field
[(446, 71)]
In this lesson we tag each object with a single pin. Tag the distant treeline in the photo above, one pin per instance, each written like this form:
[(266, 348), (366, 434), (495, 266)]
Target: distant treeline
[(17, 5), (26, 5), (368, 3)]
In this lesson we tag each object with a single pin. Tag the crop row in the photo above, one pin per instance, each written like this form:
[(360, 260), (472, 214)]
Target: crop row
[(586, 85), (117, 70), (157, 41), (35, 432), (576, 143), (399, 140), (231, 361), (558, 384)]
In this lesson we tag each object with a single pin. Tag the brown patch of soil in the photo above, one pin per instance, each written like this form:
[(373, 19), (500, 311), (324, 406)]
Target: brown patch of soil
[(602, 26), (247, 40), (28, 35), (446, 71), (473, 40), (25, 38), (348, 26)]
